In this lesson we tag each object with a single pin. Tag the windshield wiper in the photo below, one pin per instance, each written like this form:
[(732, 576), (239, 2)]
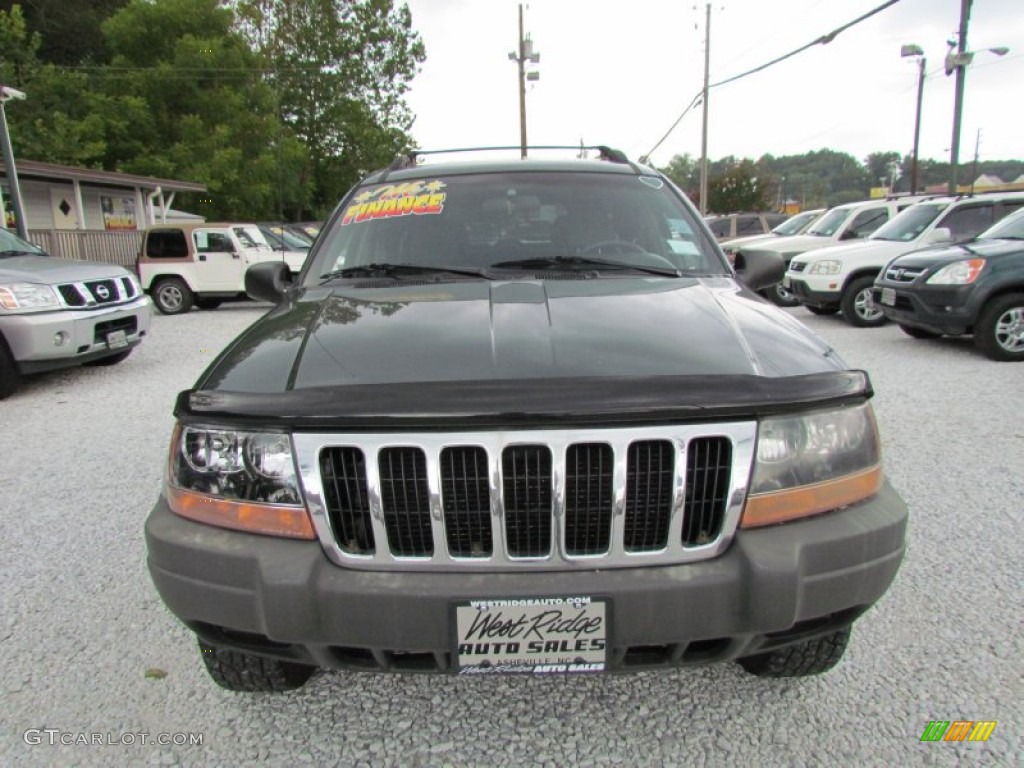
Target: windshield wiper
[(561, 262), (14, 252), (398, 271)]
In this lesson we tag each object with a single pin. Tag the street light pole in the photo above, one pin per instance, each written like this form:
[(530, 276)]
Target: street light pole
[(958, 102), (704, 129), (524, 53), (6, 94), (915, 50)]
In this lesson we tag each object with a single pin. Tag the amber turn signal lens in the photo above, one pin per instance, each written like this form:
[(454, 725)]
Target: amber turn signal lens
[(804, 501), (268, 519)]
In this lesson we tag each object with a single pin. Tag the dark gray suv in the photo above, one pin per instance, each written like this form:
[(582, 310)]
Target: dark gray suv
[(522, 418)]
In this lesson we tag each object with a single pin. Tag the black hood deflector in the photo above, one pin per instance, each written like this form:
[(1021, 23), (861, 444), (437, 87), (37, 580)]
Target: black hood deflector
[(518, 403)]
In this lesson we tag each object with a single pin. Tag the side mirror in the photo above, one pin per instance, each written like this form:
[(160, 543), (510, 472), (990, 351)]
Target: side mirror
[(939, 235), (760, 269), (267, 281), (850, 234)]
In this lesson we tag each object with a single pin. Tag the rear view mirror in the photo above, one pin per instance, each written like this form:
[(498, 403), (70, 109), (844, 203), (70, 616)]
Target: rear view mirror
[(760, 269)]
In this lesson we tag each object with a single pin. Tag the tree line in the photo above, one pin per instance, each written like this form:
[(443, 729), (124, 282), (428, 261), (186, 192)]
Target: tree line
[(816, 179), (278, 106)]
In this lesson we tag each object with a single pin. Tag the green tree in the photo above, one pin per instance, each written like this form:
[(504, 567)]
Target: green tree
[(340, 70), (738, 188), (69, 30)]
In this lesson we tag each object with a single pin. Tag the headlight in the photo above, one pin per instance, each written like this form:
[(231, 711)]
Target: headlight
[(825, 267), (812, 463), (237, 479), (958, 273), (27, 296)]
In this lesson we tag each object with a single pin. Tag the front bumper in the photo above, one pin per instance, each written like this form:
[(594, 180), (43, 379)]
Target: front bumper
[(949, 310), (813, 291), (285, 599), (85, 332)]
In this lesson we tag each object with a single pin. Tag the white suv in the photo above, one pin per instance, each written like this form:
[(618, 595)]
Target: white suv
[(839, 279), (850, 221)]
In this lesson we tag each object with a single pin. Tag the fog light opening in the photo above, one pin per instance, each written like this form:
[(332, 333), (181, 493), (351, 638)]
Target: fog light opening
[(60, 338)]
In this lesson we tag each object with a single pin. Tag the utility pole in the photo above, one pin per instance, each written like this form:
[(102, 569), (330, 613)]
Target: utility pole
[(6, 94), (524, 53), (917, 124), (958, 105), (704, 129)]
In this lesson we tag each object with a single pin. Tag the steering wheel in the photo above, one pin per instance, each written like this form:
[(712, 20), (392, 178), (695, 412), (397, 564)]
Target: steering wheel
[(612, 246)]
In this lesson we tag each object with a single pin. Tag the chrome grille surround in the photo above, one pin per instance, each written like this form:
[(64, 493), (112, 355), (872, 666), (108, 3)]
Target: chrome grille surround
[(741, 435), (94, 293), (904, 274)]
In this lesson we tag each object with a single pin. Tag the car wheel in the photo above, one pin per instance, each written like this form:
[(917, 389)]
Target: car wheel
[(999, 332), (811, 657), (781, 296), (111, 359), (238, 671), (207, 303), (823, 311), (10, 378), (858, 305), (919, 333), (172, 296)]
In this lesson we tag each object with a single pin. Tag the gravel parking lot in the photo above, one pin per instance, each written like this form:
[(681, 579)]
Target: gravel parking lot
[(85, 637)]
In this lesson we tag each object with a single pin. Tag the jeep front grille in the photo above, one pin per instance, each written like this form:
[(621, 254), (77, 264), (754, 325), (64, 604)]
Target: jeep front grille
[(516, 499)]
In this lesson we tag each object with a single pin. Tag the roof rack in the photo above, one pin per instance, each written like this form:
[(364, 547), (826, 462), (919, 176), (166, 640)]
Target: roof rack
[(409, 159)]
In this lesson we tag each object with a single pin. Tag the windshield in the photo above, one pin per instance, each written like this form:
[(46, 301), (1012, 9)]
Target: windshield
[(250, 237), (279, 238), (909, 224), (1010, 228), (12, 245), (796, 224), (830, 222), (519, 220)]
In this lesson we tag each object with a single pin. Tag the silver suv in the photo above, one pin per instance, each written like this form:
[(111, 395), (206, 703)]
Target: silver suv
[(57, 314)]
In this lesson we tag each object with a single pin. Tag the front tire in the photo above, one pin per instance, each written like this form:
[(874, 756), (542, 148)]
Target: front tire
[(781, 296), (999, 332), (858, 305), (811, 657), (10, 377), (249, 673), (172, 296)]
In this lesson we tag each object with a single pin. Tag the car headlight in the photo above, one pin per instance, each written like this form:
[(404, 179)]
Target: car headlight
[(825, 267), (812, 463), (958, 273), (27, 296), (237, 479)]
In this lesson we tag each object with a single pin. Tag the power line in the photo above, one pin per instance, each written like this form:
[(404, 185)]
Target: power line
[(823, 40)]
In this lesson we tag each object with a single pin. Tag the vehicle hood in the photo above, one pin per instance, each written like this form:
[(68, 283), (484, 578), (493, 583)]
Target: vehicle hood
[(939, 255), (51, 271), (532, 329), (750, 240), (794, 244), (859, 251)]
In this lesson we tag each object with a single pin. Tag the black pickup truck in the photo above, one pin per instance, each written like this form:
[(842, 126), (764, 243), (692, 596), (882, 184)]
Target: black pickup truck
[(522, 417), (972, 288)]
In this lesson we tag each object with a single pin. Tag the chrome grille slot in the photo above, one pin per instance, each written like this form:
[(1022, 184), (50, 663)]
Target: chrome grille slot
[(405, 501), (708, 460), (650, 468), (466, 499), (588, 498), (797, 266), (527, 493), (71, 295), (513, 500), (904, 274), (348, 501)]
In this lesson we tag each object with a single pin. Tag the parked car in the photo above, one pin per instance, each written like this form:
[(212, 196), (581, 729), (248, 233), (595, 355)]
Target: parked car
[(56, 313), (732, 225), (794, 225), (200, 264), (841, 279), (522, 417), (289, 245), (843, 223), (971, 288)]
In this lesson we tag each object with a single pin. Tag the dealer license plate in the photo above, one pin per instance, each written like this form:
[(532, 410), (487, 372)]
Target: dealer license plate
[(889, 296), (531, 635), (116, 339)]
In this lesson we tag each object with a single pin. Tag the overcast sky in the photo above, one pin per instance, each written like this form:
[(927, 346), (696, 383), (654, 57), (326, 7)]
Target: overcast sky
[(619, 72)]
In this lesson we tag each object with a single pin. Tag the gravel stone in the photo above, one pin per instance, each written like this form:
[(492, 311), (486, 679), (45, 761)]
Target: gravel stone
[(82, 460)]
